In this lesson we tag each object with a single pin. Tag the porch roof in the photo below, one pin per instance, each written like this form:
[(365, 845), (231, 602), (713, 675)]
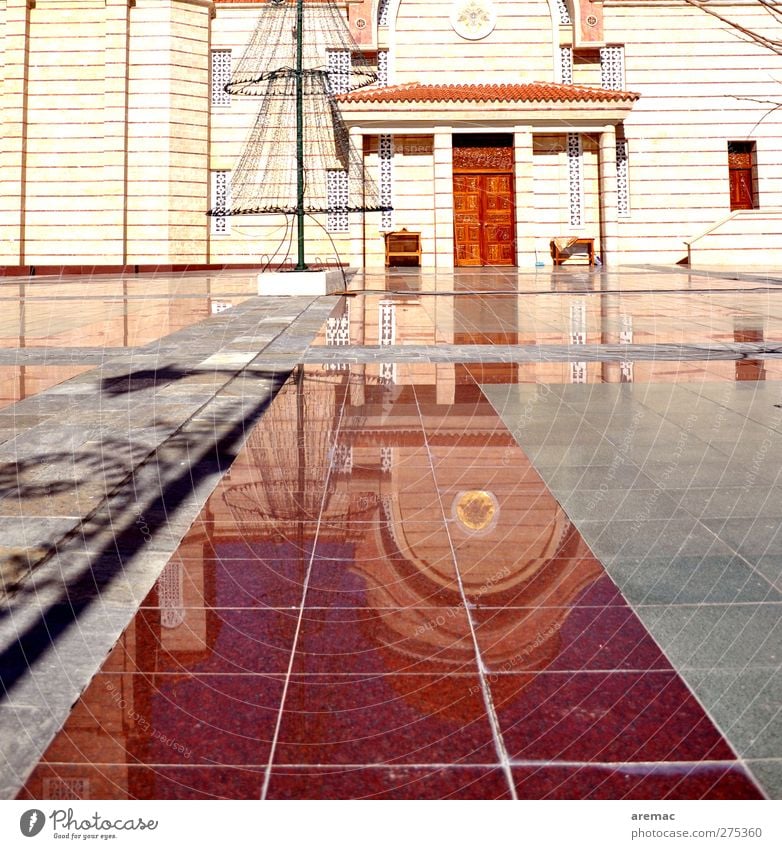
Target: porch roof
[(485, 92), (549, 106)]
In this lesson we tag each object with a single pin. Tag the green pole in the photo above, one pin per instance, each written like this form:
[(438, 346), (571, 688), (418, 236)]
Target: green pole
[(301, 265)]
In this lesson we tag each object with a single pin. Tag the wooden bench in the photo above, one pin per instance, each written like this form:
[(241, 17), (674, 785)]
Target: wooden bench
[(402, 246), (561, 252)]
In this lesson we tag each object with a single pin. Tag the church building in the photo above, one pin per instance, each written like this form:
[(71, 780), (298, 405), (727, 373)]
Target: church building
[(497, 133)]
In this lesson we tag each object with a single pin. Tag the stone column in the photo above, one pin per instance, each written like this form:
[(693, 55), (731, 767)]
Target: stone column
[(524, 198), (609, 229), (443, 197), (13, 126), (115, 127)]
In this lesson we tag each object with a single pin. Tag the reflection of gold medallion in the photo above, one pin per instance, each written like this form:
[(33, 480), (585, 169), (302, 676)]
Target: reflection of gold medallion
[(476, 510)]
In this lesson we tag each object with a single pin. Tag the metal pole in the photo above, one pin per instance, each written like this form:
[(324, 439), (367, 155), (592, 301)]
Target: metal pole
[(301, 265)]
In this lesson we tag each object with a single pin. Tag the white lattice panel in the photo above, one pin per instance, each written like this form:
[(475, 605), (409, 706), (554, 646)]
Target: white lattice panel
[(221, 199), (564, 13), (337, 220), (221, 76), (575, 179), (612, 68), (566, 65), (382, 67), (338, 69), (622, 179), (386, 158), (382, 13)]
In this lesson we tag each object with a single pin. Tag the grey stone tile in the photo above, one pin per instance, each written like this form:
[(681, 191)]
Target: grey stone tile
[(25, 732), (768, 774), (747, 706), (621, 476), (730, 502), (690, 580), (770, 567), (682, 473), (662, 538), (605, 505), (717, 636), (751, 537)]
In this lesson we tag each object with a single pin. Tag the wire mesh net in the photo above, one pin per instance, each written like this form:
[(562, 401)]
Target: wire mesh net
[(265, 179)]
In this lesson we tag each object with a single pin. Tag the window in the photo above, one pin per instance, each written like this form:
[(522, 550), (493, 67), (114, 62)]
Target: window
[(221, 76), (742, 174)]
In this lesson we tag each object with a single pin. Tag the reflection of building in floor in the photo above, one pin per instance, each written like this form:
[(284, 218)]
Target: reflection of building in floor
[(398, 514)]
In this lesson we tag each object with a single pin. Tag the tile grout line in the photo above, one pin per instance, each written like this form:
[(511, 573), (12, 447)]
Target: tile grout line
[(494, 723), (294, 646)]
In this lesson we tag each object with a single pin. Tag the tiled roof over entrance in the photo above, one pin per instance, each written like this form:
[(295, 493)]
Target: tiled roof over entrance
[(479, 92)]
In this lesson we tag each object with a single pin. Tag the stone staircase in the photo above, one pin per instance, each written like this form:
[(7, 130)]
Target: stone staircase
[(746, 237)]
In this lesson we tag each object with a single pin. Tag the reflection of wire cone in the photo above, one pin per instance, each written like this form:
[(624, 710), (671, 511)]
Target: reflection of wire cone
[(289, 460)]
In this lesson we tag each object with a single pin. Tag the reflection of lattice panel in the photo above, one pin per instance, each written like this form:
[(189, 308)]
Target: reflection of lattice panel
[(66, 788), (171, 595)]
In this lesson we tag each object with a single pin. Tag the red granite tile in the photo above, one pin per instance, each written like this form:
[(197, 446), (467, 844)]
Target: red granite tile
[(213, 640), (414, 719), (144, 782), (618, 716), (381, 783), (364, 640), (565, 638), (171, 719), (625, 781)]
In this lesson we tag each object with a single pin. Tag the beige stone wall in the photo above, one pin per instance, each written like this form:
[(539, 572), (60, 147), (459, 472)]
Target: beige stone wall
[(168, 132), (426, 48), (106, 128), (693, 72)]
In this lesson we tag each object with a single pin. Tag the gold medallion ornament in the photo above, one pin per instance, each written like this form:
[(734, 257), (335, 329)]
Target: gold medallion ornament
[(476, 510), (473, 19)]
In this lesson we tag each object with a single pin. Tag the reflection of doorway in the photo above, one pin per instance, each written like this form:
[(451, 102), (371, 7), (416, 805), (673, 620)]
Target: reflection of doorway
[(483, 200)]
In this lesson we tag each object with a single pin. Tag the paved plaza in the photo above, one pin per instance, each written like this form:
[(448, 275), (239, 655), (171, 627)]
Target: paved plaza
[(476, 534)]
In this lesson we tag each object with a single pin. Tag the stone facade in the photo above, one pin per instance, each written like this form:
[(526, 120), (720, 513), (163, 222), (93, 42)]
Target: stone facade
[(115, 141)]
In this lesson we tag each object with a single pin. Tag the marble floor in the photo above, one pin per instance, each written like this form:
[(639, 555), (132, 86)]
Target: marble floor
[(479, 534)]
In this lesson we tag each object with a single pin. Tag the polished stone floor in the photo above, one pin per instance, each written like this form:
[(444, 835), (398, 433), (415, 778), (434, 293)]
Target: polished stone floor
[(468, 535)]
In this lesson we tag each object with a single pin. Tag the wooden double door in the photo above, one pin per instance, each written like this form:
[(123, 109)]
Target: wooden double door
[(484, 225)]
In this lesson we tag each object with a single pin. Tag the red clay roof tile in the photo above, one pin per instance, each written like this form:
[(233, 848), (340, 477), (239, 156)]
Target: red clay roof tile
[(482, 92)]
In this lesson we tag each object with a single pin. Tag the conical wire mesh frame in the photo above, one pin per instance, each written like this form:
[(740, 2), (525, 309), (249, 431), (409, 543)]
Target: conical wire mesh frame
[(272, 47), (264, 179)]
